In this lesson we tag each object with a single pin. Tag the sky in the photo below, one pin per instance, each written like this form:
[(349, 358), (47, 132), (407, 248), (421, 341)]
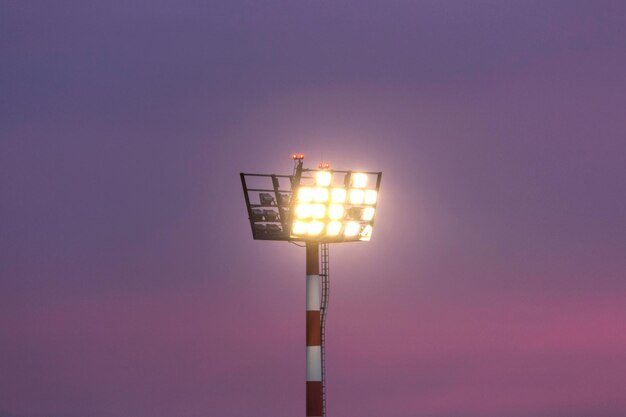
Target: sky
[(495, 281)]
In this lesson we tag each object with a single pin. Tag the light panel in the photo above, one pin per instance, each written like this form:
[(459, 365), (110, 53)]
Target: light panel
[(304, 211), (368, 214), (370, 197), (320, 195), (305, 194), (352, 229), (359, 180), (323, 178), (299, 228), (338, 195), (315, 228), (335, 211), (326, 211), (318, 211), (356, 196), (333, 228)]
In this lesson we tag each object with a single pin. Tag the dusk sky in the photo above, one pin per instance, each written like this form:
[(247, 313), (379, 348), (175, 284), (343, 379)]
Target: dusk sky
[(495, 281)]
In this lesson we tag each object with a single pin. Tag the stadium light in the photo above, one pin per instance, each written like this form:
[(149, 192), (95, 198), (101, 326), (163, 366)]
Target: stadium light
[(350, 208), (316, 207)]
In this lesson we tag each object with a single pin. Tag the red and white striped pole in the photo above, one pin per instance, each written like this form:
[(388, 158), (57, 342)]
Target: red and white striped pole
[(313, 332)]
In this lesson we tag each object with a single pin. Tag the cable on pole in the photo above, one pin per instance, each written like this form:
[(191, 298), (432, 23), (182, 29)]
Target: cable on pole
[(323, 314)]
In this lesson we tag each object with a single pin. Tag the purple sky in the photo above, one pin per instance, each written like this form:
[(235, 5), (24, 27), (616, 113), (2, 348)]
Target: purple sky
[(495, 282)]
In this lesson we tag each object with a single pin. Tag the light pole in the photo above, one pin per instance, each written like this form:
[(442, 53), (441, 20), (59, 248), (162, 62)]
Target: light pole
[(314, 389), (316, 207)]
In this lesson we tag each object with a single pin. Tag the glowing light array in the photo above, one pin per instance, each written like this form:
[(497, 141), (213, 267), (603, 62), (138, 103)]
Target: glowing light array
[(327, 211)]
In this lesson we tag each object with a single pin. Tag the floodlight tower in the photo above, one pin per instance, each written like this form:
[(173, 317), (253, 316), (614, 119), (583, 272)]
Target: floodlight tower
[(316, 207)]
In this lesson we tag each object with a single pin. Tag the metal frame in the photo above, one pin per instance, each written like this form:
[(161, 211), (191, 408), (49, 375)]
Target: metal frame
[(284, 215)]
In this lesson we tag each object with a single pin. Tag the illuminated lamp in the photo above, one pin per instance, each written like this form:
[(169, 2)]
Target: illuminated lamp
[(352, 229), (338, 195), (323, 178), (370, 197), (299, 227), (359, 180), (356, 196), (305, 194), (315, 228), (333, 228), (335, 211), (368, 214)]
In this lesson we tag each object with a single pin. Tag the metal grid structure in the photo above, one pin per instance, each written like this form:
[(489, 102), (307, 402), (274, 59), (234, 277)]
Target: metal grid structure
[(273, 211)]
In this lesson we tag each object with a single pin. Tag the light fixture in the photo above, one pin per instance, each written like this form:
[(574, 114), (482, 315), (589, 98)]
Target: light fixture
[(305, 194), (318, 211), (338, 195), (315, 228), (299, 227), (335, 211), (370, 197), (320, 194), (356, 196), (323, 178), (355, 213), (368, 213), (359, 180), (323, 201), (273, 228), (333, 228), (304, 210), (313, 205), (270, 215), (266, 199), (352, 229), (257, 215), (284, 198)]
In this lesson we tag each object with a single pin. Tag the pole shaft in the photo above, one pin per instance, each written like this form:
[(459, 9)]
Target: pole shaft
[(313, 333)]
